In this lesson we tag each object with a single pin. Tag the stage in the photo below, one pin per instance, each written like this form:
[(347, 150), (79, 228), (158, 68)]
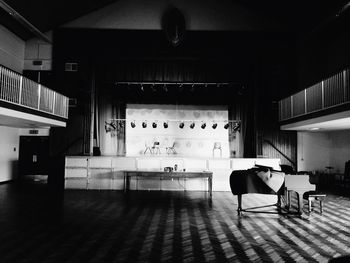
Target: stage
[(107, 172)]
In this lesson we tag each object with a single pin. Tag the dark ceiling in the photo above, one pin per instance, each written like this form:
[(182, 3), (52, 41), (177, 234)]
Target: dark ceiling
[(300, 16)]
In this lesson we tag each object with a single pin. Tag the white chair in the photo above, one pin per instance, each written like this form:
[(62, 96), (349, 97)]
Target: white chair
[(217, 146), (148, 147), (156, 148), (170, 148)]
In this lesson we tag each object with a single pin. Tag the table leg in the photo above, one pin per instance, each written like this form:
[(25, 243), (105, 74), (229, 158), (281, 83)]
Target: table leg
[(210, 186), (124, 183)]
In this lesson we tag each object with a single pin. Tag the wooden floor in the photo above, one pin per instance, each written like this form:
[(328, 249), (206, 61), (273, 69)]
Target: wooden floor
[(107, 226)]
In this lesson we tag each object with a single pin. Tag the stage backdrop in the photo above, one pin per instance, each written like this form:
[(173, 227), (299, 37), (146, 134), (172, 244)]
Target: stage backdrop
[(196, 142)]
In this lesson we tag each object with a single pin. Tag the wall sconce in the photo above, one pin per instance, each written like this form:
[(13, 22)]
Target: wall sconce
[(181, 125), (133, 125), (165, 124), (226, 125), (203, 125), (215, 125), (144, 124), (154, 125), (192, 125)]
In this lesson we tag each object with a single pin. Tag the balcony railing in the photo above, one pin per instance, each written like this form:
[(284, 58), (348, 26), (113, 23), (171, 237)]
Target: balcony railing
[(331, 92), (16, 89)]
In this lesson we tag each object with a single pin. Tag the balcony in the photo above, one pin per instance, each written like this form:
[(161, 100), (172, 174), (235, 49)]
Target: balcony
[(29, 97), (325, 105)]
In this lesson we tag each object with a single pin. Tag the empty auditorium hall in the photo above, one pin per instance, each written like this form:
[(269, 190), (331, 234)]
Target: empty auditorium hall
[(174, 131)]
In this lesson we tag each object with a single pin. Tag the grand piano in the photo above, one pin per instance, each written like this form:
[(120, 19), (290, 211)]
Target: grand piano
[(263, 180)]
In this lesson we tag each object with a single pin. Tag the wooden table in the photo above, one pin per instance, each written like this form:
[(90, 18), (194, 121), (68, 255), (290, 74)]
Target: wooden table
[(162, 175)]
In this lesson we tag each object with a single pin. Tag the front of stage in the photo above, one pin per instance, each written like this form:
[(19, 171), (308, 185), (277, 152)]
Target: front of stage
[(107, 172)]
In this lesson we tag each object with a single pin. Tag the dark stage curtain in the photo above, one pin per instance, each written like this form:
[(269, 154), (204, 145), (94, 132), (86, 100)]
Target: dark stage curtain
[(186, 70), (112, 142)]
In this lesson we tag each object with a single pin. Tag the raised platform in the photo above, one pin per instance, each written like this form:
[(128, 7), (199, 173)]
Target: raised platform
[(106, 172)]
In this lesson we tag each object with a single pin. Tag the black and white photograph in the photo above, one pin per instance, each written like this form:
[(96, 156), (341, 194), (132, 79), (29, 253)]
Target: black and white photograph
[(174, 131)]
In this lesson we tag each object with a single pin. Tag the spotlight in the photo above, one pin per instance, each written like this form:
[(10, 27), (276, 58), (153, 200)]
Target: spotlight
[(215, 125), (154, 125), (226, 125), (133, 125), (113, 125), (203, 125), (236, 127), (154, 88), (165, 124), (144, 124), (110, 126), (192, 125), (182, 124)]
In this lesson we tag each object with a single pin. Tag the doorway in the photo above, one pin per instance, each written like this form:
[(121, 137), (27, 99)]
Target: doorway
[(34, 158)]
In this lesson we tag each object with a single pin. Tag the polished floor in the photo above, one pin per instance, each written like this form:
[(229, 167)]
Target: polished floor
[(37, 225)]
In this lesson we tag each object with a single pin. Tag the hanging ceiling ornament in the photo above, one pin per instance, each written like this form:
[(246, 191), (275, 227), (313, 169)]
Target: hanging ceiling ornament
[(174, 26)]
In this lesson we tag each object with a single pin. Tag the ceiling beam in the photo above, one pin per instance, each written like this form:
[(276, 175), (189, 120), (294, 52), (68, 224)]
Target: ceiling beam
[(24, 22)]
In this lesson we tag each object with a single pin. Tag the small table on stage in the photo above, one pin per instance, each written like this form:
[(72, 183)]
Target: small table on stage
[(162, 175)]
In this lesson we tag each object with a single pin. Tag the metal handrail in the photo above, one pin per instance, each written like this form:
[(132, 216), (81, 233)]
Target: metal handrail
[(17, 89), (331, 92)]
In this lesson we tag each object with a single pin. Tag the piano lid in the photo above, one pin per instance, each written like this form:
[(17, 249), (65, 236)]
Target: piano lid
[(298, 182)]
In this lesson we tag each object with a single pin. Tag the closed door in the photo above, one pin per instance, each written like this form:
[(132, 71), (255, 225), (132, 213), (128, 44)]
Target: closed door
[(33, 155)]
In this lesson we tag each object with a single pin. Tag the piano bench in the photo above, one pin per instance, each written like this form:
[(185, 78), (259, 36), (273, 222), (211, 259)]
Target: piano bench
[(313, 196)]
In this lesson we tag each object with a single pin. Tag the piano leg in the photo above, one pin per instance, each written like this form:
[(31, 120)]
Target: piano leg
[(289, 199), (300, 202), (309, 203), (239, 209)]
